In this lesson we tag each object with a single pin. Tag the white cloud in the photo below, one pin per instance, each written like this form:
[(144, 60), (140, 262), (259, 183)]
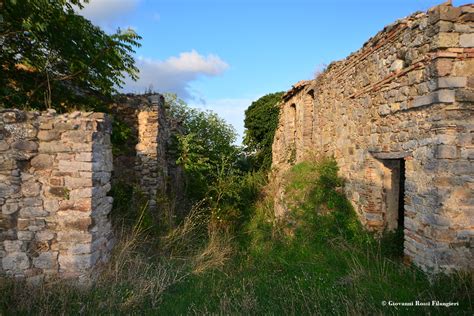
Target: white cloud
[(175, 73), (108, 12)]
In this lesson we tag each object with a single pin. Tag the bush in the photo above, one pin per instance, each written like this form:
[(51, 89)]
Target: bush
[(313, 193)]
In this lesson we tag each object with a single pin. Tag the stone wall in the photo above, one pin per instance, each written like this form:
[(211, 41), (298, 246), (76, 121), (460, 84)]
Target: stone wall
[(54, 177), (398, 117), (149, 164)]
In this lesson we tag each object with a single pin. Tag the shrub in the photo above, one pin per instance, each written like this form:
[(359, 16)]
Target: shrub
[(313, 194)]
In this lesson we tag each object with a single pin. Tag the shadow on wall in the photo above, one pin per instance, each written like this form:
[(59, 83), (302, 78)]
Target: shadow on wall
[(55, 172)]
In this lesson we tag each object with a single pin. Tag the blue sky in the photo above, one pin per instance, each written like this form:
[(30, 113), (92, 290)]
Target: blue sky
[(224, 54)]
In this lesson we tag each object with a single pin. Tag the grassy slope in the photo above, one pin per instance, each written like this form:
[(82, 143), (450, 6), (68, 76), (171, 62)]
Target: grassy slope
[(309, 264)]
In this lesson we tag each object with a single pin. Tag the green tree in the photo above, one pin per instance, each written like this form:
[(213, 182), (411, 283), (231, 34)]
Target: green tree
[(261, 120), (53, 57), (204, 144)]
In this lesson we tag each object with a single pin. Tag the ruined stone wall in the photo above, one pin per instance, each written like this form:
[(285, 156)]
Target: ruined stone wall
[(151, 152), (149, 164), (54, 177), (403, 101)]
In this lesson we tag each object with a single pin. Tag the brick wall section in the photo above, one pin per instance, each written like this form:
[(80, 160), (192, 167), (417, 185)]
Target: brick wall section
[(55, 174), (408, 93), (146, 166), (151, 162)]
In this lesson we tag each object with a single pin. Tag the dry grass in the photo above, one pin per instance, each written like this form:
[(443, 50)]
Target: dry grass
[(141, 269), (183, 239), (215, 254), (196, 269)]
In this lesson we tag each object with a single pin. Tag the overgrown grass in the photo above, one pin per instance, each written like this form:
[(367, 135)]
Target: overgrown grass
[(318, 260)]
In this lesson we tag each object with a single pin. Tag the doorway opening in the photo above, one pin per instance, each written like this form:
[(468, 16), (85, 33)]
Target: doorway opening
[(394, 206), (394, 193)]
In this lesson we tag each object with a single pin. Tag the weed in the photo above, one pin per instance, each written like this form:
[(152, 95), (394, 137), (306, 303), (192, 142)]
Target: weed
[(328, 265)]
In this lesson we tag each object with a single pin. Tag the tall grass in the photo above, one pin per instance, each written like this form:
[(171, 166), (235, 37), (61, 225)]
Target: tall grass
[(318, 260)]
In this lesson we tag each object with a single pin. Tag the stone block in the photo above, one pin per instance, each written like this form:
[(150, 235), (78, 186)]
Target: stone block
[(465, 234), (48, 135), (469, 17), (461, 167), (10, 208), (54, 147), (450, 82), (74, 166), (444, 26), (440, 96), (32, 201), (77, 136), (79, 249), (466, 40), (394, 107), (101, 191), (69, 215), (46, 125), (25, 145), (51, 205), (59, 192), (46, 260), (443, 67), (439, 220), (446, 152), (78, 194), (30, 189), (78, 262), (45, 235), (82, 205), (464, 67), (33, 211), (25, 235), (462, 28), (467, 153), (98, 116), (13, 245), (440, 234), (4, 146), (12, 117), (86, 174), (7, 164), (26, 177), (101, 178), (74, 237), (464, 95), (75, 183), (42, 161), (397, 65), (446, 40), (56, 181), (443, 13), (78, 224), (85, 157), (23, 223), (410, 224), (65, 205), (102, 210), (103, 166), (65, 126), (79, 147), (17, 261), (65, 156), (6, 190), (384, 109)]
